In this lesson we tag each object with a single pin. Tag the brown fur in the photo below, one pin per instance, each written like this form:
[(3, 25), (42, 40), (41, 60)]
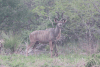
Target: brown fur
[(45, 36), (59, 35)]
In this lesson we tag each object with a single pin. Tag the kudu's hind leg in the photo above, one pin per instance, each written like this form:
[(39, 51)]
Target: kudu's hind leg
[(29, 46), (36, 43)]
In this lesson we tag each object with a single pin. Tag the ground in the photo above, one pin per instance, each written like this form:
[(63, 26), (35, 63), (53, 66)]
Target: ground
[(69, 57)]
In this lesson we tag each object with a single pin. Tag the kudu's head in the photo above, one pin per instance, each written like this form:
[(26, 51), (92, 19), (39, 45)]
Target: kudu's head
[(59, 23)]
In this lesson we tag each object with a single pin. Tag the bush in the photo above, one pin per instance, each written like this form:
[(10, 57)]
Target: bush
[(91, 63), (11, 40), (25, 35)]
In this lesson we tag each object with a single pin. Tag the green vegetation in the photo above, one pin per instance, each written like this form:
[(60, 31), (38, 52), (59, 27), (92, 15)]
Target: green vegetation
[(11, 41), (44, 60), (26, 16), (80, 34)]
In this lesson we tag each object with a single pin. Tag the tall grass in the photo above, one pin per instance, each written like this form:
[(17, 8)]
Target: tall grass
[(11, 40)]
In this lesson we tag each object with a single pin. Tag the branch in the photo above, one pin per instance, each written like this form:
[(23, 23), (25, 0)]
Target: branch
[(27, 24), (51, 22), (96, 7)]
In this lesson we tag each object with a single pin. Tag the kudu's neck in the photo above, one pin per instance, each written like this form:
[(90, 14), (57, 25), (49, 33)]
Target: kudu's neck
[(57, 30)]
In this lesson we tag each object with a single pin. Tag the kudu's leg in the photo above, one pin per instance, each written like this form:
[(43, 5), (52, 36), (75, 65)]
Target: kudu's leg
[(51, 48), (55, 49), (29, 46)]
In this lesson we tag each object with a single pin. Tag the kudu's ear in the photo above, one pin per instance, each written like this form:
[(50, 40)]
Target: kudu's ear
[(64, 20), (56, 20)]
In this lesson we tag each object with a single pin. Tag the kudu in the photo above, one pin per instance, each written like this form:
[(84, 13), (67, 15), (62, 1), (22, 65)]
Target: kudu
[(46, 36)]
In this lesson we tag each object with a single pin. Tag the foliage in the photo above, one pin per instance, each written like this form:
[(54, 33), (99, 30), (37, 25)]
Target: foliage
[(91, 63), (94, 61), (25, 35), (28, 15), (11, 41)]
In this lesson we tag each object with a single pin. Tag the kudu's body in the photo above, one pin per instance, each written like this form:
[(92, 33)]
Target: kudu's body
[(45, 36)]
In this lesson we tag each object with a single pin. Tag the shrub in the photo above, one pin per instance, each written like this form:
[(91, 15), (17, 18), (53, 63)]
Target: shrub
[(25, 35), (11, 40), (91, 63)]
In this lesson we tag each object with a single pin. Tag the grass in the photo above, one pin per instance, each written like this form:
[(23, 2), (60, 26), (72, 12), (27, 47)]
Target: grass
[(70, 56), (71, 60)]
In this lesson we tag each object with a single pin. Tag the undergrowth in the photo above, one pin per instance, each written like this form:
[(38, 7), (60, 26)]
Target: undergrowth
[(11, 40), (41, 60)]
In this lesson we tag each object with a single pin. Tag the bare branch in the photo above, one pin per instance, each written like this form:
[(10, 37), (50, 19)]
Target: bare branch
[(96, 7), (51, 22)]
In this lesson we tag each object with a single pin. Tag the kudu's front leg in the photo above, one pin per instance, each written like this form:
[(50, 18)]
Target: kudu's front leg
[(55, 48), (51, 48)]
